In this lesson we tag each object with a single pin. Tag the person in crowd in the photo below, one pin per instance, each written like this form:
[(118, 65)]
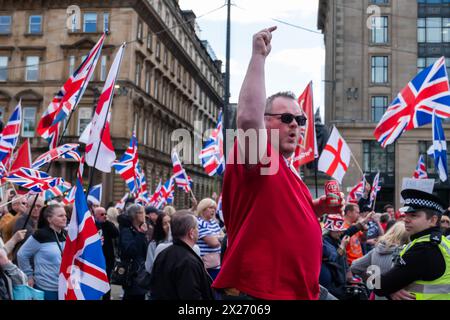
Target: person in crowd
[(19, 206), (390, 210), (151, 214), (9, 246), (40, 256), (384, 253), (111, 215), (178, 272), (274, 243), (109, 233), (32, 223), (423, 269), (351, 217), (133, 249), (445, 223), (169, 210), (374, 229), (384, 220), (161, 235), (334, 270), (10, 275), (210, 236), (365, 199)]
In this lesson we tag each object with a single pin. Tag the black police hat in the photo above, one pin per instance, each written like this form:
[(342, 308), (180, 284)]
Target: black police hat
[(416, 199)]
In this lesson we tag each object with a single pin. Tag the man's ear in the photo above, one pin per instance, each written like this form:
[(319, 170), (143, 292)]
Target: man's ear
[(434, 220)]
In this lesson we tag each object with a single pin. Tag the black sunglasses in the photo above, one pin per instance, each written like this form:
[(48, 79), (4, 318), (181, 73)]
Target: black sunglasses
[(289, 117)]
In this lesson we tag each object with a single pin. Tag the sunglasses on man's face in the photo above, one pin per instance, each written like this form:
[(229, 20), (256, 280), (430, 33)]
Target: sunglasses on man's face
[(287, 118)]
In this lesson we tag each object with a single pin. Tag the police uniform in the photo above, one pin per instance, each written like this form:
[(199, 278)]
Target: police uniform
[(423, 267)]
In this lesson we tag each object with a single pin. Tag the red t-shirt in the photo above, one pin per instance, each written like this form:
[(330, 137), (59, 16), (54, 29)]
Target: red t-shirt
[(274, 237)]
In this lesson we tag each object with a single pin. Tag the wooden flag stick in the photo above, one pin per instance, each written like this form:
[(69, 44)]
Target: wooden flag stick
[(357, 164)]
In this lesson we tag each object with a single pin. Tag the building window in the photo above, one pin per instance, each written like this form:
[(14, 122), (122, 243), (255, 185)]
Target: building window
[(135, 123), (139, 31), (103, 69), (32, 69), (29, 122), (84, 117), (156, 90), (149, 41), (106, 22), (3, 68), (158, 50), (379, 106), (379, 1), (137, 76), (378, 159), (71, 65), (90, 22), (380, 69), (380, 29), (35, 24), (2, 113), (5, 24), (148, 77), (425, 62), (166, 57), (146, 132)]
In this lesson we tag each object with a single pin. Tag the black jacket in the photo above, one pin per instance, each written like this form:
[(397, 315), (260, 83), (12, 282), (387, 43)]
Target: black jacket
[(179, 274), (133, 249), (109, 233), (423, 261)]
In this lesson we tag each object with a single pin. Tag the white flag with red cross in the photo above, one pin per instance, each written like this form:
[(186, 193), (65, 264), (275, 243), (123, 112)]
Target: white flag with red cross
[(335, 157)]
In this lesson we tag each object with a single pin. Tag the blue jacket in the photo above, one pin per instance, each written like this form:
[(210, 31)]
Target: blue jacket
[(333, 273)]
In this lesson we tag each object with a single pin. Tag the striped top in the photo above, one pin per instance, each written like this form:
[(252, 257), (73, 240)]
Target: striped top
[(207, 228)]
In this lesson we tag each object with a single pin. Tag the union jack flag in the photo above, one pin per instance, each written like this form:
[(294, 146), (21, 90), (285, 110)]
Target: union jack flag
[(126, 166), (421, 169), (10, 134), (82, 274), (157, 195), (53, 136), (182, 180), (3, 172), (143, 196), (121, 203), (219, 211), (72, 154), (35, 181), (375, 188), (56, 191), (53, 154), (166, 193), (414, 105), (69, 95), (212, 156), (357, 191)]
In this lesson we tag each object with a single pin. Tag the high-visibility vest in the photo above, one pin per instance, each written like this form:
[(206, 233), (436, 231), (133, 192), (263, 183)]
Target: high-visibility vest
[(438, 289)]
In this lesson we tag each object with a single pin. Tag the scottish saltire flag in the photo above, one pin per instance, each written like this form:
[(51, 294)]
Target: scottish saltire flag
[(212, 155), (126, 166), (121, 203), (182, 180), (82, 274), (68, 96), (56, 191), (439, 149), (34, 180), (357, 191), (95, 194), (421, 169), (53, 154), (414, 105), (10, 134), (375, 188), (99, 149)]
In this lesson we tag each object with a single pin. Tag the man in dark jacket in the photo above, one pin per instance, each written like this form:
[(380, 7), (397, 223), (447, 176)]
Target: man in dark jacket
[(178, 272)]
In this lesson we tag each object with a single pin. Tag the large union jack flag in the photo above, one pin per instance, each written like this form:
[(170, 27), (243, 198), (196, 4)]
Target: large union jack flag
[(414, 105), (54, 154), (10, 134), (375, 188), (56, 191), (82, 274), (357, 191), (126, 166), (69, 95), (212, 156), (421, 169), (34, 180)]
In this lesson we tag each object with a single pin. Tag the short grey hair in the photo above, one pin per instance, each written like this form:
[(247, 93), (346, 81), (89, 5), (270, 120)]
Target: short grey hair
[(181, 222), (282, 94), (133, 210)]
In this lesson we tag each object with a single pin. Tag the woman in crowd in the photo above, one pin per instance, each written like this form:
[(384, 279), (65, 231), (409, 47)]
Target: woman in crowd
[(133, 249), (209, 236), (161, 235), (384, 253), (40, 256)]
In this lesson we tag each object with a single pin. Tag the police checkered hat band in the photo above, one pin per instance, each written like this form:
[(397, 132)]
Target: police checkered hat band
[(416, 199)]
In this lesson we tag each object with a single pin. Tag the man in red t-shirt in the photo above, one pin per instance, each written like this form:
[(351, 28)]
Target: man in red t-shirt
[(274, 237)]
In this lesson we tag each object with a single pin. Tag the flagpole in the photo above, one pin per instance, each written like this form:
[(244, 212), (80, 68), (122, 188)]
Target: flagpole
[(357, 164), (315, 177), (91, 172)]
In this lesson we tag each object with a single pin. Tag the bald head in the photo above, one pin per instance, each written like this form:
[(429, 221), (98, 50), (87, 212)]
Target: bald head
[(100, 214)]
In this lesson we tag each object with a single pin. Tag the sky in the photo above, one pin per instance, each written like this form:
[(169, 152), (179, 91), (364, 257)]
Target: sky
[(297, 56)]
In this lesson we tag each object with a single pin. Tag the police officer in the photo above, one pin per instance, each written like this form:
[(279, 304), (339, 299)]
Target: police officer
[(422, 271)]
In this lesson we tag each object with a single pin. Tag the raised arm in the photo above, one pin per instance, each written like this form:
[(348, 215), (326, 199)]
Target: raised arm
[(252, 97)]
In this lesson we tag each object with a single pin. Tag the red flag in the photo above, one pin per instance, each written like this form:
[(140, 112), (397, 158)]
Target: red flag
[(22, 157), (306, 149)]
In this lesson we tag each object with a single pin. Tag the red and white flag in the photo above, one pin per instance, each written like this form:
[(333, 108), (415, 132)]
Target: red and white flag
[(335, 157), (22, 158), (306, 150), (99, 149)]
